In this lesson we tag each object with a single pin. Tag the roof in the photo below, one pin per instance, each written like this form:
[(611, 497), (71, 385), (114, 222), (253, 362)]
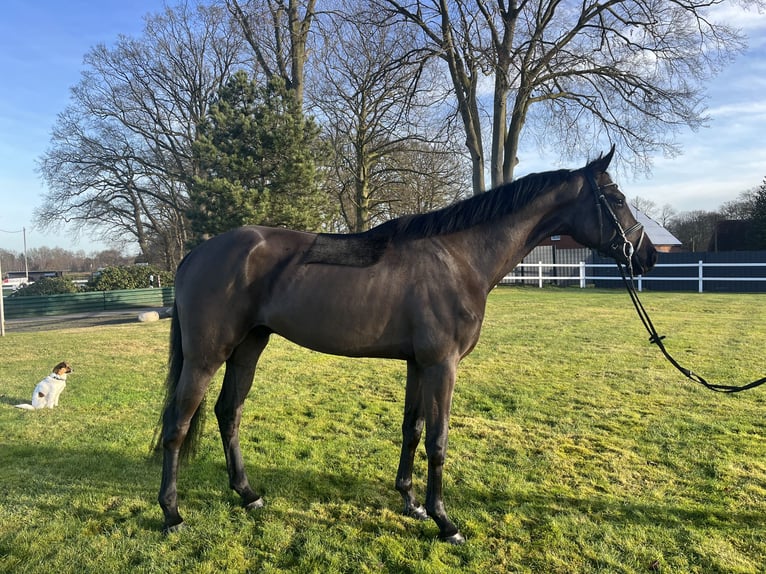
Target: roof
[(656, 232)]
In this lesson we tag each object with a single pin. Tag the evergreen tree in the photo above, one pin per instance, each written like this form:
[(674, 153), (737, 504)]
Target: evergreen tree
[(759, 216), (257, 153)]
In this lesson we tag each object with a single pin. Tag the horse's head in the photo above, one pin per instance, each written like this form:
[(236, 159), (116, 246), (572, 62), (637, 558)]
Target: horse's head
[(604, 221)]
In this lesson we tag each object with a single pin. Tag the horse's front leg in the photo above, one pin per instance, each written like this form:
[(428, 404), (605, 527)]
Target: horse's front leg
[(437, 384), (412, 428)]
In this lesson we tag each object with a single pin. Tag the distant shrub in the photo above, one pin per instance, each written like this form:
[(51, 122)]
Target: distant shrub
[(130, 277), (47, 286)]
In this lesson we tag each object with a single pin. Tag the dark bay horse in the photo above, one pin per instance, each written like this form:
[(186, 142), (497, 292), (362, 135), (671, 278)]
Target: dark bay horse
[(414, 289)]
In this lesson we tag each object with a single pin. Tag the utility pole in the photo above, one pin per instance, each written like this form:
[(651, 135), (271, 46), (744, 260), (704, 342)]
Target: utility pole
[(26, 264), (2, 303)]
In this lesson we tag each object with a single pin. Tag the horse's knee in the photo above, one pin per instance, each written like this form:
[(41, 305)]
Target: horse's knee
[(404, 485), (411, 434), (437, 457), (437, 454)]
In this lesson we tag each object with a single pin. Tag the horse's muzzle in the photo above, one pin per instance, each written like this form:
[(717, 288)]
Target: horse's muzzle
[(644, 259)]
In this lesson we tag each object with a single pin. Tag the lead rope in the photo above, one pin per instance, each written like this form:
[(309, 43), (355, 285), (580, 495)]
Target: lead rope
[(656, 339)]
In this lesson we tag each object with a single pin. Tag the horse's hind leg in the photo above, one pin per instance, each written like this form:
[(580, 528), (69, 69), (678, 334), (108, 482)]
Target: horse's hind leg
[(177, 419), (240, 369)]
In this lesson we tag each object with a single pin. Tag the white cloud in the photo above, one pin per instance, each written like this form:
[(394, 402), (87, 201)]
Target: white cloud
[(746, 18)]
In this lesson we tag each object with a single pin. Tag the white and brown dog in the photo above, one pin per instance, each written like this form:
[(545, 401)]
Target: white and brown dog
[(47, 391)]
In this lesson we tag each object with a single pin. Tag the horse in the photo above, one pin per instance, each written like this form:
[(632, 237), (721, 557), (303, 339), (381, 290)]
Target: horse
[(413, 289)]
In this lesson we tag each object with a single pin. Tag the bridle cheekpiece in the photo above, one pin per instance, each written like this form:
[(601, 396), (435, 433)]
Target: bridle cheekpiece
[(626, 247)]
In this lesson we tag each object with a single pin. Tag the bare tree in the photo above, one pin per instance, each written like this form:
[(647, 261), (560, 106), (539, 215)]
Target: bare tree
[(666, 214), (120, 158), (662, 215), (431, 175), (646, 206), (741, 208), (694, 228), (372, 94), (630, 71), (278, 33), (10, 261)]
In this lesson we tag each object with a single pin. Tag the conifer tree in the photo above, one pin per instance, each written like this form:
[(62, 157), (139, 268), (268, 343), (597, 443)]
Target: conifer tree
[(759, 216), (258, 158)]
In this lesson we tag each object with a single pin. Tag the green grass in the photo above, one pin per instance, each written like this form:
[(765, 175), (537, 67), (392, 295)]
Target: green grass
[(574, 448)]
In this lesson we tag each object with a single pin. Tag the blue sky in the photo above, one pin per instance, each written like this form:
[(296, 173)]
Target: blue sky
[(42, 43)]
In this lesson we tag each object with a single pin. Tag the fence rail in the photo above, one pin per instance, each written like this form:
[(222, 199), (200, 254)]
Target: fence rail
[(578, 273)]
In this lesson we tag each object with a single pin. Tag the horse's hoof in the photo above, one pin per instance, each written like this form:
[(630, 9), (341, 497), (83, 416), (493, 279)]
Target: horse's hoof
[(172, 528), (255, 504), (457, 539), (417, 512)]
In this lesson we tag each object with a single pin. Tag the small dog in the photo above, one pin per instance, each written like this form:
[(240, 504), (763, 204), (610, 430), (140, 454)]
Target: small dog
[(47, 391)]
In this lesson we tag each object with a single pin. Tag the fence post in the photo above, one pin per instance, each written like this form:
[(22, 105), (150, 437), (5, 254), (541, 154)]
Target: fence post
[(2, 307), (699, 275), (582, 274), (640, 283), (540, 274)]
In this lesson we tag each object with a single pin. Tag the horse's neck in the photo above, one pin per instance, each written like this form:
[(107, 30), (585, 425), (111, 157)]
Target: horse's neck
[(498, 246)]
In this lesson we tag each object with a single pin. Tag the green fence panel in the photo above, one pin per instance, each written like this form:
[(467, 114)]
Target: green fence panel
[(92, 302), (114, 300)]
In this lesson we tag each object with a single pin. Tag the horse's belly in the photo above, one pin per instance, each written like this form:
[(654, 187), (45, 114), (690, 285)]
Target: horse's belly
[(344, 335)]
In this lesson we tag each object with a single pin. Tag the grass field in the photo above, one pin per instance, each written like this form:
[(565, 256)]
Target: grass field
[(574, 448)]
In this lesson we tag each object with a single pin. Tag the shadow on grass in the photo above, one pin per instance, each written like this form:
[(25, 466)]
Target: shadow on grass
[(61, 479), (623, 511), (64, 479), (54, 323), (13, 402)]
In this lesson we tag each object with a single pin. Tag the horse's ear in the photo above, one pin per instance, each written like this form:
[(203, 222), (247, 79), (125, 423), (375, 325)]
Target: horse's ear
[(601, 164)]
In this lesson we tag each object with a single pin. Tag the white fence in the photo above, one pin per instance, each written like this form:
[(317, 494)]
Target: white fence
[(579, 272)]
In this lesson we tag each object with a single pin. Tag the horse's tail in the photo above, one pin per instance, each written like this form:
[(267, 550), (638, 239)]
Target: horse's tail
[(175, 365)]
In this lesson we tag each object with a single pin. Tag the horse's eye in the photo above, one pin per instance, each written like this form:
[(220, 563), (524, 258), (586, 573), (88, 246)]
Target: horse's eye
[(617, 202)]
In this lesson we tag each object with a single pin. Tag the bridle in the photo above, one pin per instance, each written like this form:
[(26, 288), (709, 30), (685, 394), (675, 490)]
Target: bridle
[(627, 250)]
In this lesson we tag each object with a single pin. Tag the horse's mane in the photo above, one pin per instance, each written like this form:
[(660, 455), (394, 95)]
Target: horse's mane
[(364, 249)]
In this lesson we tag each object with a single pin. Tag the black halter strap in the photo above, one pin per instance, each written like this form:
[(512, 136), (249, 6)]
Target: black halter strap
[(602, 206)]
